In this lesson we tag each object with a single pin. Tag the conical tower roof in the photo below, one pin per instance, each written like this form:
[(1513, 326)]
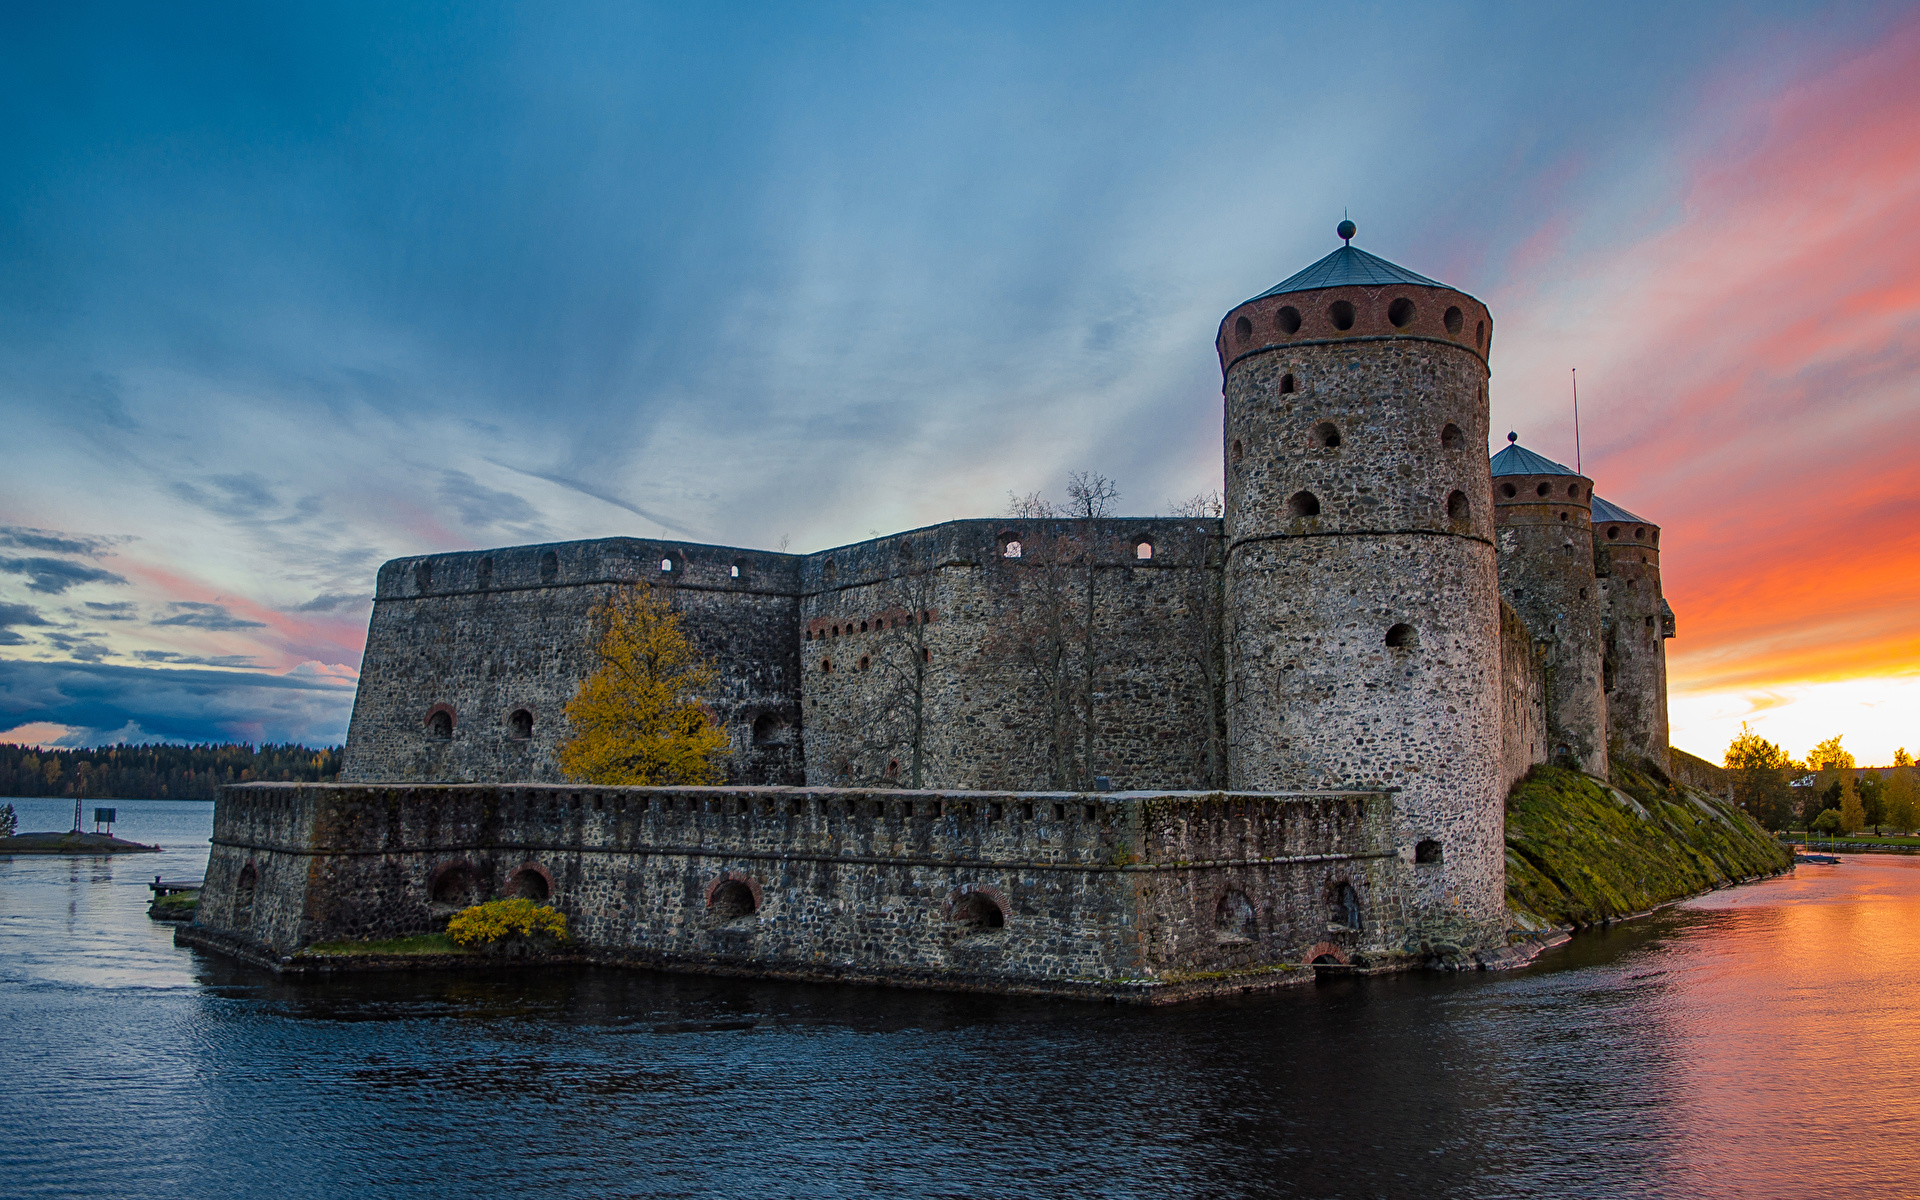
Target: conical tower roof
[(1605, 511), (1348, 265), (1518, 460)]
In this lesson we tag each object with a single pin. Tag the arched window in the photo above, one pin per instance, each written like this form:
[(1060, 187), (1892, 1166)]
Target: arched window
[(1613, 533), (1303, 504), (483, 574), (1402, 637), (520, 723), (1453, 320), (1143, 550), (1243, 329), (865, 662), (1341, 313), (1451, 437), (1346, 906), (826, 666), (549, 567), (1288, 319), (453, 884), (666, 565), (423, 575), (1238, 450), (243, 890), (1325, 434), (731, 901), (1507, 490), (1543, 489), (733, 572), (1233, 918), (769, 729), (976, 913), (529, 884), (1479, 334), (827, 570), (1458, 509), (1010, 548), (1286, 384), (440, 722), (1400, 312)]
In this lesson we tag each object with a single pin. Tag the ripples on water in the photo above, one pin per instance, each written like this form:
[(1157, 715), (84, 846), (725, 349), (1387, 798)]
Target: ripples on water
[(1759, 1042)]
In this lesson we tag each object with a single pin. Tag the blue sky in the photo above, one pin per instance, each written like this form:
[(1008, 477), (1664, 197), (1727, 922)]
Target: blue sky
[(293, 290)]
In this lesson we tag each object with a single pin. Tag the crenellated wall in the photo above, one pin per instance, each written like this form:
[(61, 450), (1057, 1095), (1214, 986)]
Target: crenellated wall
[(1144, 896)]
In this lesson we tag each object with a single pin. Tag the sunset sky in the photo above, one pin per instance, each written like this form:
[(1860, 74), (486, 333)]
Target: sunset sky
[(286, 292)]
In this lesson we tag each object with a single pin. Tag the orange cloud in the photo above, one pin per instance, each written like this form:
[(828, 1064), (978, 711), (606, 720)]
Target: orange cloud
[(1750, 378)]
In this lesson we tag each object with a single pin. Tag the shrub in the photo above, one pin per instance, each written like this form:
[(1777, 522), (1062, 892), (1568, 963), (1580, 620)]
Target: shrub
[(498, 920)]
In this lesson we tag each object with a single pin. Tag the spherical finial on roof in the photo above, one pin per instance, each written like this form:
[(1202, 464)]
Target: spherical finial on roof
[(1513, 437), (1346, 230)]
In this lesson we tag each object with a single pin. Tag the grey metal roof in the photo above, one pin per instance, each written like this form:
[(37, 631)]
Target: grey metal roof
[(1344, 266), (1604, 510), (1518, 460)]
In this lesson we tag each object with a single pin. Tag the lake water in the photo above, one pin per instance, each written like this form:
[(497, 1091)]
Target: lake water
[(1763, 1041)]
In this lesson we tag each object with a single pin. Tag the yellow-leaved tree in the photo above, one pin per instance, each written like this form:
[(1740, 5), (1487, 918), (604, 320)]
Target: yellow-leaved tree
[(638, 719), (1829, 756)]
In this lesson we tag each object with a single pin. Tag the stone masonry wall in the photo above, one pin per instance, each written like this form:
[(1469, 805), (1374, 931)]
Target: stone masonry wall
[(1038, 891), (1361, 600), (1523, 700), (1626, 560), (1546, 574)]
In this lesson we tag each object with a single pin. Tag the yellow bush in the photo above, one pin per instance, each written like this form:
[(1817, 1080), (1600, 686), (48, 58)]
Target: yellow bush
[(484, 924)]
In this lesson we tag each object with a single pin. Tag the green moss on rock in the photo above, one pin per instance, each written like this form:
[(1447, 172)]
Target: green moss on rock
[(1581, 851)]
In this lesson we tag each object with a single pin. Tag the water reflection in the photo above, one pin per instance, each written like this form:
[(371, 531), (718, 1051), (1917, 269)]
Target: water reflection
[(1751, 1043)]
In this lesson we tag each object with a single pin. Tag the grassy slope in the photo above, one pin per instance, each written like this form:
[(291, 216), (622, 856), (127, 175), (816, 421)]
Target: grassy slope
[(1580, 852)]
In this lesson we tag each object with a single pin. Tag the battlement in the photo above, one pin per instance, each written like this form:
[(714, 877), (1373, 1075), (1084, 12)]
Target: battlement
[(1072, 892)]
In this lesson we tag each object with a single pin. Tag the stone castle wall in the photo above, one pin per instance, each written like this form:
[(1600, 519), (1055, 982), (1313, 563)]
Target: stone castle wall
[(1523, 698), (1133, 895), (1361, 597), (1627, 563), (1547, 575)]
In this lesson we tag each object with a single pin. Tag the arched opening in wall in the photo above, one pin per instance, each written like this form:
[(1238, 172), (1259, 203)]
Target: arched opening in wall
[(1427, 851), (483, 574), (1451, 437), (1400, 312), (1303, 504), (1458, 509), (976, 912), (893, 768), (926, 655), (828, 571), (1286, 384), (731, 901), (423, 576), (1542, 489), (1233, 918), (1242, 330), (1402, 637), (865, 662), (1566, 549), (1453, 320), (733, 572), (1340, 312), (453, 884), (1507, 490), (243, 890), (826, 666), (666, 566), (1143, 550), (1346, 906), (440, 722), (1613, 533), (1639, 535), (529, 884), (1010, 546), (1324, 434), (1655, 539), (770, 729), (1564, 516), (1480, 334), (863, 627), (1239, 451), (520, 724), (1288, 319), (549, 567), (1573, 491)]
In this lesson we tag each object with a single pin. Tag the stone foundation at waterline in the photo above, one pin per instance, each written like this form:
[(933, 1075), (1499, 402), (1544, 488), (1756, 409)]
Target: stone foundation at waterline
[(1144, 896)]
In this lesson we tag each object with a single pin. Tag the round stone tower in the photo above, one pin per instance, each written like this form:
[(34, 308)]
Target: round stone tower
[(1626, 557), (1362, 605), (1545, 519)]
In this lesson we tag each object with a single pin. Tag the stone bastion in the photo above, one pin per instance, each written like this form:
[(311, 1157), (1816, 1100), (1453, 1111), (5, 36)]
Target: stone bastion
[(1134, 896)]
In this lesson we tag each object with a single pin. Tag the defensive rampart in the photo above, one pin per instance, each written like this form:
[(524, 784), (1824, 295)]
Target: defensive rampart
[(1137, 896)]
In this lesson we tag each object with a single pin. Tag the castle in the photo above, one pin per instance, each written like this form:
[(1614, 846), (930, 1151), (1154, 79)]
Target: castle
[(1066, 752)]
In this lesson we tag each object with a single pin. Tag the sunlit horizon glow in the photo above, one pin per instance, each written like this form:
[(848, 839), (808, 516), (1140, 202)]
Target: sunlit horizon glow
[(310, 299)]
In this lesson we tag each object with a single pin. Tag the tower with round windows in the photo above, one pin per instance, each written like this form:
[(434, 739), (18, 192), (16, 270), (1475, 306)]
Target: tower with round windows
[(1362, 603)]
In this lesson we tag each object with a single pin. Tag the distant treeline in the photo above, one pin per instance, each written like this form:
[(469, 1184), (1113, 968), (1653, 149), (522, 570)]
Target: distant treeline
[(158, 772)]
